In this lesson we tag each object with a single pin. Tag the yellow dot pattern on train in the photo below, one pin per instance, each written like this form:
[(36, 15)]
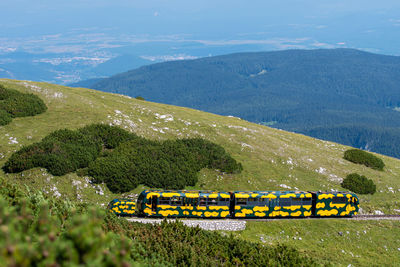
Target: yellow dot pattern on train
[(256, 204)]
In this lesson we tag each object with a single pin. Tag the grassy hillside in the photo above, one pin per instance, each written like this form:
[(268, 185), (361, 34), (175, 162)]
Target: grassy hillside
[(272, 159), (337, 241), (343, 95)]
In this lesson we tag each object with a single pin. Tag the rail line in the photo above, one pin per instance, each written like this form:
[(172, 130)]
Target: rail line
[(356, 217), (228, 224)]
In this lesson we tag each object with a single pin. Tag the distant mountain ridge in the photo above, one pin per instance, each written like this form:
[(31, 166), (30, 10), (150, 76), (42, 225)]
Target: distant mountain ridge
[(355, 93)]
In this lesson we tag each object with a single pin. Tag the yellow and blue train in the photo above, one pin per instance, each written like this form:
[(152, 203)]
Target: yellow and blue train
[(254, 204)]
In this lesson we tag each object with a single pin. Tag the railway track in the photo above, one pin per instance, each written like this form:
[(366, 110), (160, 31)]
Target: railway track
[(386, 217), (356, 217), (240, 224)]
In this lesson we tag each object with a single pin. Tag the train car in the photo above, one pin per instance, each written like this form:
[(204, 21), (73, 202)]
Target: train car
[(335, 204), (293, 204), (122, 206), (192, 204), (255, 204), (272, 204)]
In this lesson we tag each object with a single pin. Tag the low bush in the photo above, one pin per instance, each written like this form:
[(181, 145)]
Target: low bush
[(5, 117), (110, 137), (365, 158), (180, 245), (61, 152), (168, 164), (210, 155), (18, 104), (121, 159), (359, 184), (42, 231)]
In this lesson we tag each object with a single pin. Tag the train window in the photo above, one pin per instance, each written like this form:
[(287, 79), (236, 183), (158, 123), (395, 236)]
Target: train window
[(203, 202), (191, 201), (307, 201), (176, 201), (297, 201), (241, 201), (285, 202), (252, 201), (339, 200), (223, 201), (164, 201), (212, 202)]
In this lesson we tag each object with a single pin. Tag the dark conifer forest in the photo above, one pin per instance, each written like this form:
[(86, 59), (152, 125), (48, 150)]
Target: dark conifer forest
[(343, 95)]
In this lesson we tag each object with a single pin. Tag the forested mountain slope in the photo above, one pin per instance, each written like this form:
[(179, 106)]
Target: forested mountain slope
[(344, 95)]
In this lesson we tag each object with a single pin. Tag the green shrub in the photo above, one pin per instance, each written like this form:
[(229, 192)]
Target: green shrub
[(180, 245), (169, 164), (359, 184), (5, 117), (7, 93), (210, 155), (61, 152), (365, 158), (139, 97), (36, 231), (20, 105), (42, 231), (109, 136), (126, 159)]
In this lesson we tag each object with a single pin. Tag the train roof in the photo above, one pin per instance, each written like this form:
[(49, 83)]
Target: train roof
[(202, 192), (243, 193)]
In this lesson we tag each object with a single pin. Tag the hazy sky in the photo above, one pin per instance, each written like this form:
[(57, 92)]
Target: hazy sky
[(178, 16), (364, 24)]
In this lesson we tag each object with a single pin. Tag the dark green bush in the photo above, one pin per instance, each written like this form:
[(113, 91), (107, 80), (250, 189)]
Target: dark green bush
[(42, 231), (359, 184), (169, 164), (365, 158), (7, 93), (180, 245), (5, 117), (116, 171), (20, 105), (210, 155), (125, 161), (139, 97), (37, 231), (107, 135), (61, 152)]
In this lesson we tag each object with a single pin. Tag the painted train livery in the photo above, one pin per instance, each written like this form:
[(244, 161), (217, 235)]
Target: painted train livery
[(257, 204)]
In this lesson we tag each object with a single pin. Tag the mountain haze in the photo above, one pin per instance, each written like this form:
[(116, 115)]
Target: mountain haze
[(344, 95)]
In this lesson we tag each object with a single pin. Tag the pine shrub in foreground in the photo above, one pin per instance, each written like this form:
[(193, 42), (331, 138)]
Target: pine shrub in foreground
[(36, 230), (365, 158), (359, 184)]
